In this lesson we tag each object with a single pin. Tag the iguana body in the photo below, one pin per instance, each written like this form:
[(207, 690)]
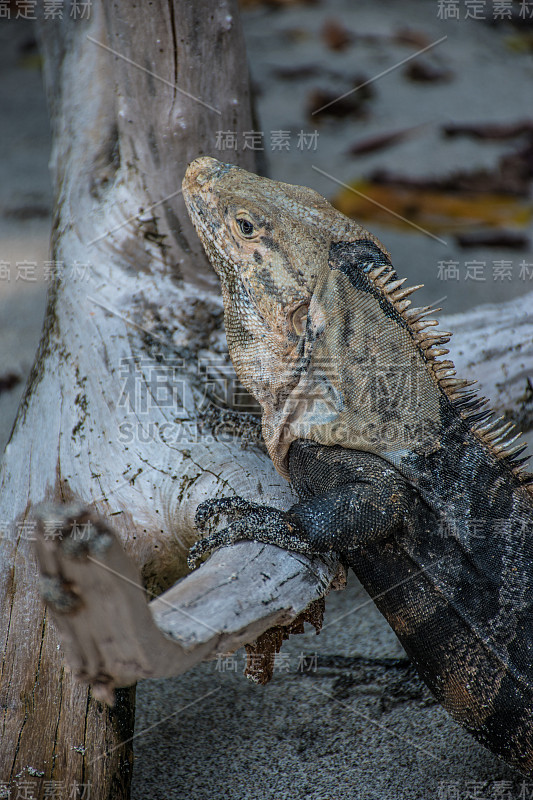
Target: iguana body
[(397, 469)]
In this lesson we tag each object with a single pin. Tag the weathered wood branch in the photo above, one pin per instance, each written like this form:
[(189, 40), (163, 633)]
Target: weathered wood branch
[(131, 104), (111, 637), (493, 344), (243, 590)]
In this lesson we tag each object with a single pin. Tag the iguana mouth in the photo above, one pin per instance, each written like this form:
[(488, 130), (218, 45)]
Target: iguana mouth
[(197, 187)]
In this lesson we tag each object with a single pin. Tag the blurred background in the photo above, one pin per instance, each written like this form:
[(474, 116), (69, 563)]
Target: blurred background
[(434, 153)]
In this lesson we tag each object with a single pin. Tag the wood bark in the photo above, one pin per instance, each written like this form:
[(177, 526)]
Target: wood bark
[(134, 292)]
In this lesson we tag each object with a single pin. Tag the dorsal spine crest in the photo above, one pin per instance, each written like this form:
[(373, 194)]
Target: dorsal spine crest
[(495, 433)]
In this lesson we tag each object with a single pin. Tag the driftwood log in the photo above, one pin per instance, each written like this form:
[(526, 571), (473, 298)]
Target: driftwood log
[(113, 423), (112, 637), (135, 93)]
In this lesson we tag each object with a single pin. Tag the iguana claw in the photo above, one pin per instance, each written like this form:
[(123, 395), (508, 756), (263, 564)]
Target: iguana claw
[(261, 523), (232, 507)]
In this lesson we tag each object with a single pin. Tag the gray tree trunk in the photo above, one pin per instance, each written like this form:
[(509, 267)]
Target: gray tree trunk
[(125, 126)]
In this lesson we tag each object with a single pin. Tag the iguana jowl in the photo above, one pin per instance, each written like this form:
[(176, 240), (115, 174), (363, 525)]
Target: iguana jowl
[(399, 469)]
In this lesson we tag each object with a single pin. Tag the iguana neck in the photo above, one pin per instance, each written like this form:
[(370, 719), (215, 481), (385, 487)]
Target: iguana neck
[(320, 330)]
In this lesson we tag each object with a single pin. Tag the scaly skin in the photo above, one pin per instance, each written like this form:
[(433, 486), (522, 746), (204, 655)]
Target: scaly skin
[(397, 469)]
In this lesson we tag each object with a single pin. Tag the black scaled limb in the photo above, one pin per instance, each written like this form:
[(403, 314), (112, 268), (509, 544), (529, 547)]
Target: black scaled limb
[(252, 521)]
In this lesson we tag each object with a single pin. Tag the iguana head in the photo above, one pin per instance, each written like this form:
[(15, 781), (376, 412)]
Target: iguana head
[(316, 319), (268, 243)]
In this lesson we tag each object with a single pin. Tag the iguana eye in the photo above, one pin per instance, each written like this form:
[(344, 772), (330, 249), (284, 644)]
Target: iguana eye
[(245, 227), (298, 319)]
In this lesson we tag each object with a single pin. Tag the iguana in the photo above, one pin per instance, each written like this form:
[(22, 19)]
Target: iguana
[(400, 469)]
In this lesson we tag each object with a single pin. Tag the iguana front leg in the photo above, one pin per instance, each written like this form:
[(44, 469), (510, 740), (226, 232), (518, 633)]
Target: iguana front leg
[(251, 521), (363, 503)]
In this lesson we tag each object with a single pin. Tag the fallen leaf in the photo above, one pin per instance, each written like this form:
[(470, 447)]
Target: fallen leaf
[(520, 42), (297, 72), (509, 240), (411, 37), (327, 103), (335, 35), (424, 71), (512, 175), (382, 140), (489, 130), (435, 211)]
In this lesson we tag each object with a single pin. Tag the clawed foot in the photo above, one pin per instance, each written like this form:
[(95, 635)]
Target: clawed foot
[(232, 507), (248, 521)]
